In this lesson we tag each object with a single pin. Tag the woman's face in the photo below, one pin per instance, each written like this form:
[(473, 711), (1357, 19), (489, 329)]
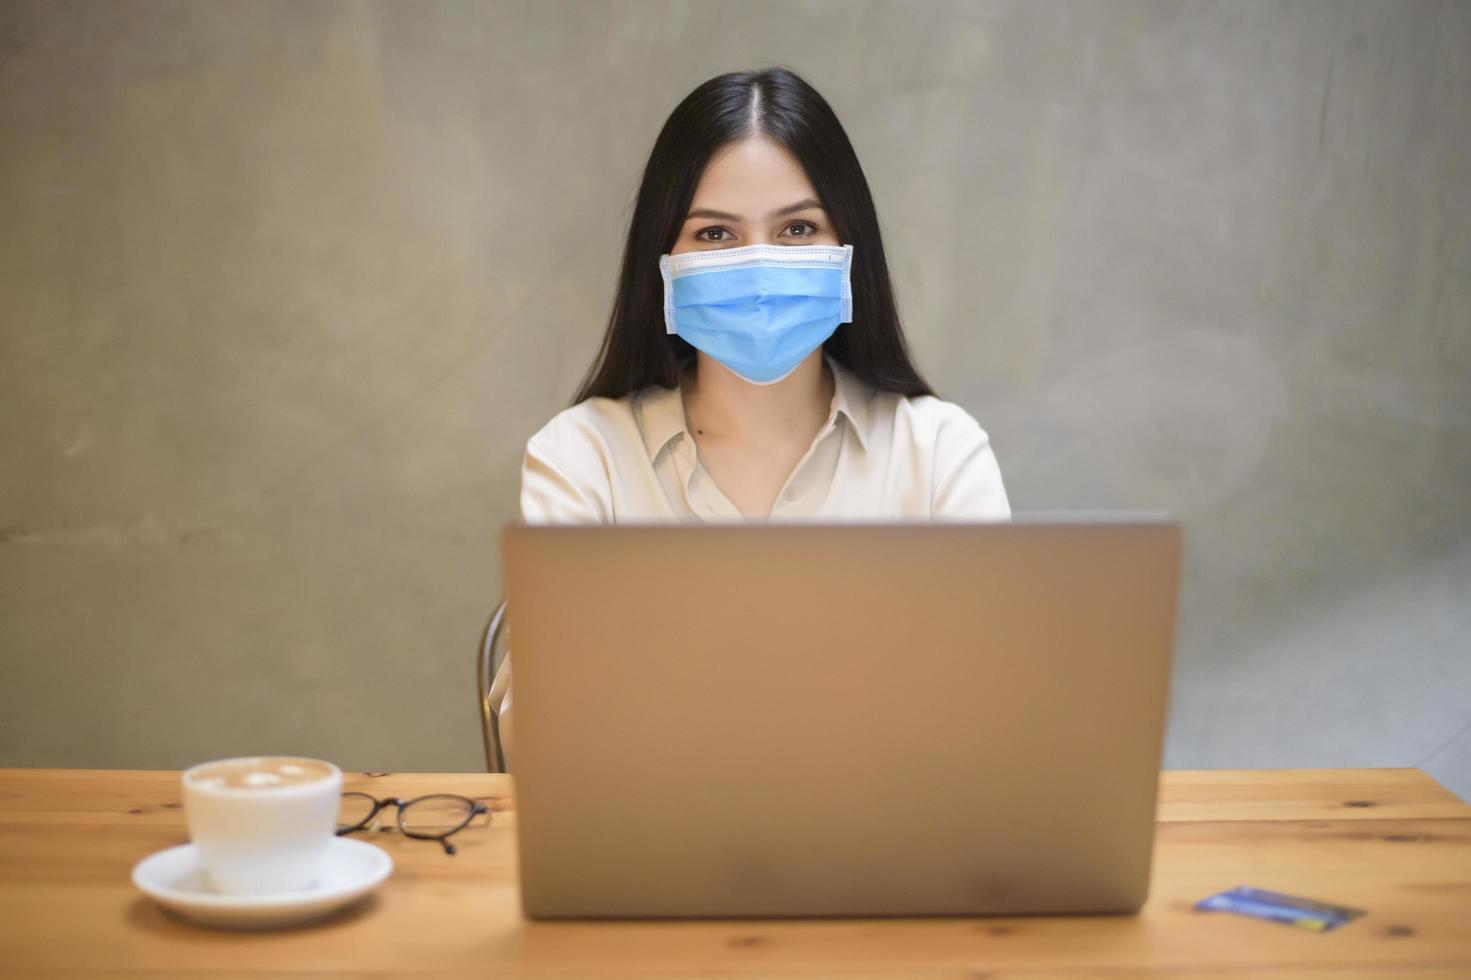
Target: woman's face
[(753, 192)]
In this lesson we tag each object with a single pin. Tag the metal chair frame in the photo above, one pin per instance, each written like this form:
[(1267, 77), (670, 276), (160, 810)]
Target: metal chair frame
[(487, 663)]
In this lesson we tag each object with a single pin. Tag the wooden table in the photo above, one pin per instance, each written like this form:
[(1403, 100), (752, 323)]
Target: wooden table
[(1392, 841)]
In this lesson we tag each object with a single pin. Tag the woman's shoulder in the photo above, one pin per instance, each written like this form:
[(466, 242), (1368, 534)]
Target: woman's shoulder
[(597, 425), (587, 420), (937, 414), (922, 424), (926, 419), (568, 470)]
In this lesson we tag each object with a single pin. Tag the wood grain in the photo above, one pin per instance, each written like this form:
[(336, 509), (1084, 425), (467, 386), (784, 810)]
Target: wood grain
[(69, 839)]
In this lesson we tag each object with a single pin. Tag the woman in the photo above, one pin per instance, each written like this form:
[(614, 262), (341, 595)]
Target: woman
[(754, 367)]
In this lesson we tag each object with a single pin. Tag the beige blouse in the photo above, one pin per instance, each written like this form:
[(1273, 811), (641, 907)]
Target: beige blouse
[(879, 456)]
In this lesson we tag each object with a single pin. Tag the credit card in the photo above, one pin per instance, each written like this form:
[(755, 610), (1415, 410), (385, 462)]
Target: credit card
[(1305, 913)]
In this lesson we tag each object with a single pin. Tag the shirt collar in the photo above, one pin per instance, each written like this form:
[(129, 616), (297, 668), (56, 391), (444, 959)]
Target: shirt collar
[(850, 398), (663, 409)]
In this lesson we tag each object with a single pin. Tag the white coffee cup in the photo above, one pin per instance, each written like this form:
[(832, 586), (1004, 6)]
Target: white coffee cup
[(262, 824)]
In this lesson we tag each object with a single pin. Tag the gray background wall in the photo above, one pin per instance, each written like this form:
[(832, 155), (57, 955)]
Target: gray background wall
[(284, 287)]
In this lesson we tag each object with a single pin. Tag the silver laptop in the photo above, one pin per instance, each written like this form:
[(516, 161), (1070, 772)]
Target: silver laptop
[(839, 719)]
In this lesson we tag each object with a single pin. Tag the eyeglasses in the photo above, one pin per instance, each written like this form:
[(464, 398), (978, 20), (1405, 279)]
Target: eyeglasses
[(426, 817)]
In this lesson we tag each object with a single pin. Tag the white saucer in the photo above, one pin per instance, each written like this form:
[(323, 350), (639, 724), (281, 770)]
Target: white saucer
[(177, 880)]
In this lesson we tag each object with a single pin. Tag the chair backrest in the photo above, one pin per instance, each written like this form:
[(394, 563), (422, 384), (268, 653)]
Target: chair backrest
[(487, 663)]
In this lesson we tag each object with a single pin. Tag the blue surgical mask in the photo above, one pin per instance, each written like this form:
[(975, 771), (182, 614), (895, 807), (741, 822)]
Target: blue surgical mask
[(760, 309)]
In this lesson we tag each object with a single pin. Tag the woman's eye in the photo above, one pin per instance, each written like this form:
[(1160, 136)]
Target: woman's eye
[(715, 233)]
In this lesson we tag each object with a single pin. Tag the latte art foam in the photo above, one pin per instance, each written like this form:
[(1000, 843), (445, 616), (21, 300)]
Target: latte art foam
[(266, 772)]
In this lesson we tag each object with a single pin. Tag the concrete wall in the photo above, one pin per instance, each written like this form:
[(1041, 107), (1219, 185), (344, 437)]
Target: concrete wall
[(285, 286)]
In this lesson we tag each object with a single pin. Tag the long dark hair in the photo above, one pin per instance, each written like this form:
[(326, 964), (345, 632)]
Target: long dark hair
[(778, 104)]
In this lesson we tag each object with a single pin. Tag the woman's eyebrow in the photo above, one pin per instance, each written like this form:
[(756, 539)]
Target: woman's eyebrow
[(801, 205)]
